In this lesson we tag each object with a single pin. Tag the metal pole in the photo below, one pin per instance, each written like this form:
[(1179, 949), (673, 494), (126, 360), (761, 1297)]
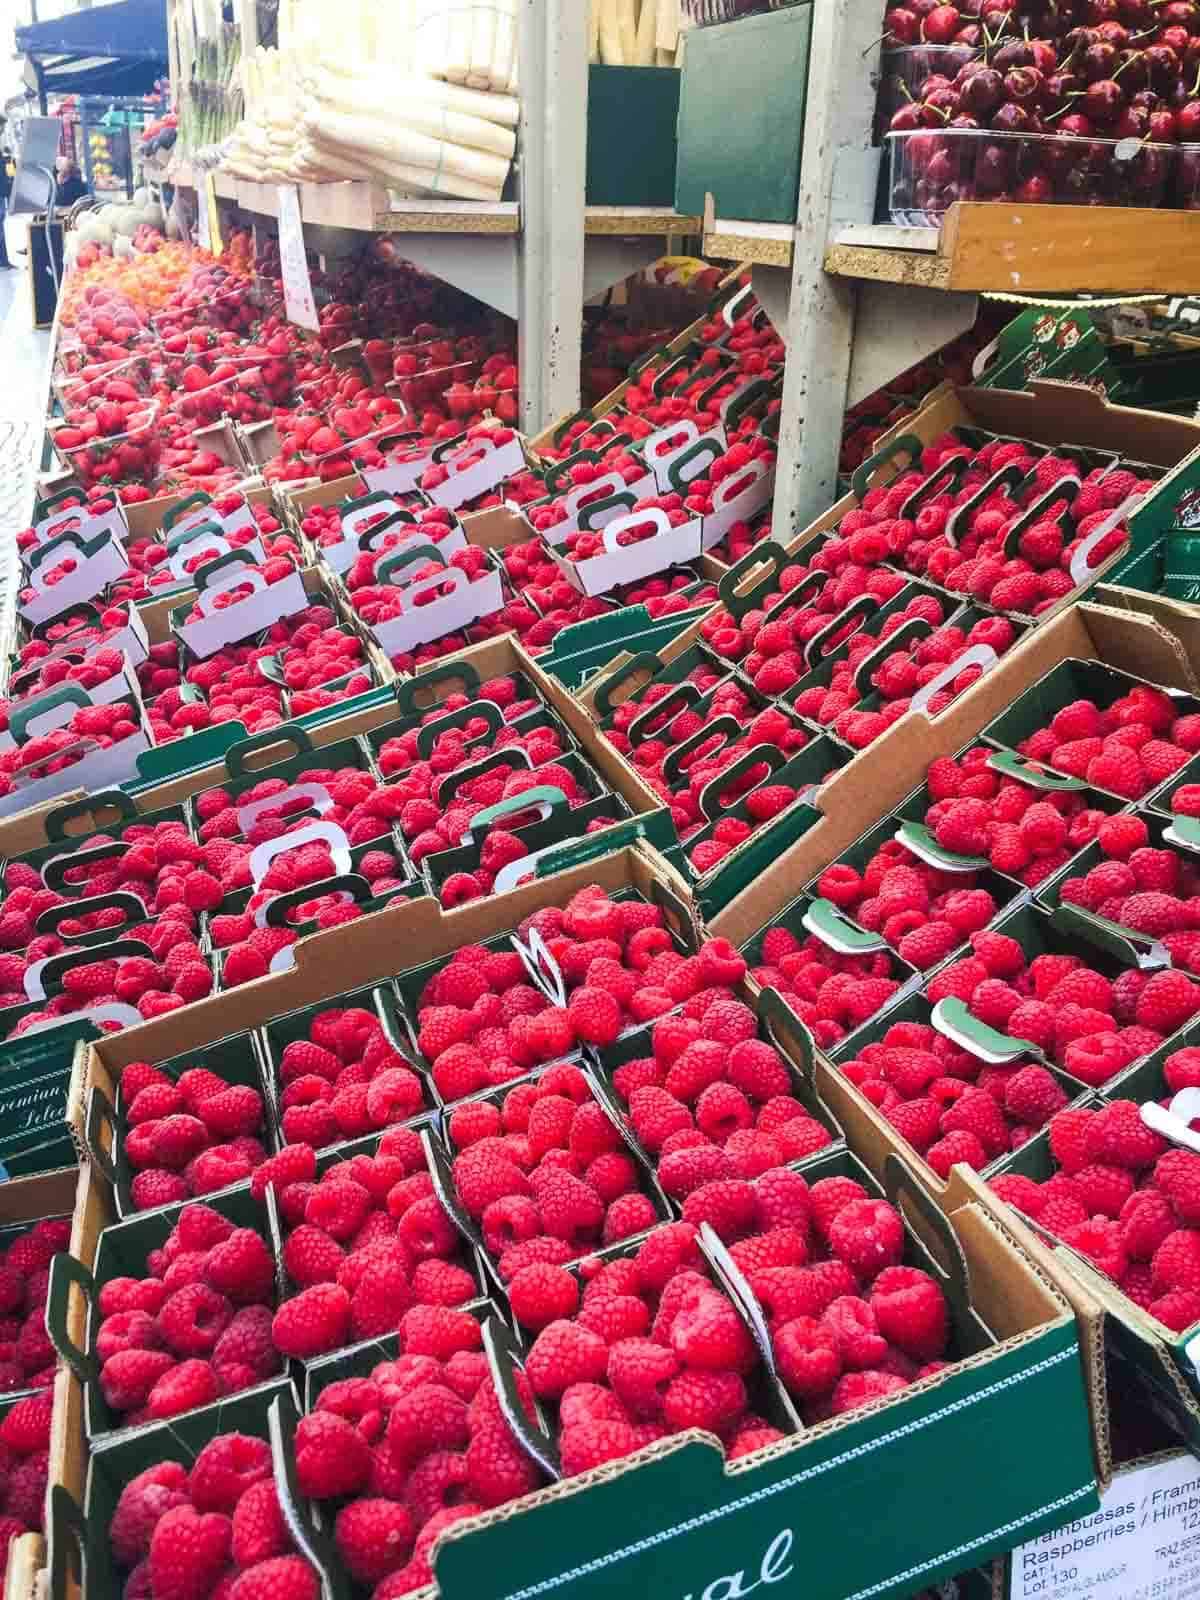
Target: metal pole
[(554, 84)]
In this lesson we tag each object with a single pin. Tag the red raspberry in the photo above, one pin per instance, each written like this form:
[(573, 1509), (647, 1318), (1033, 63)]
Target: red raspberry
[(188, 1552), (541, 1293), (867, 1235), (562, 1354), (144, 1501), (1167, 1001), (1070, 1134), (709, 1400), (287, 1577), (332, 1458), (728, 1206), (315, 1321), (808, 1355)]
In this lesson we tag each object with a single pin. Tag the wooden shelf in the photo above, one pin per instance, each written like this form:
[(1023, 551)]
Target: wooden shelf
[(1030, 250), (763, 244)]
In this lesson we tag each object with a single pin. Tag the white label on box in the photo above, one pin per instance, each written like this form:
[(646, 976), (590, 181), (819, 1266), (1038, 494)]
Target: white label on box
[(297, 285), (1142, 1544)]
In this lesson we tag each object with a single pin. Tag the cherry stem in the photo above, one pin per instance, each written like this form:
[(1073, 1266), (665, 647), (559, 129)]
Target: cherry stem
[(882, 37)]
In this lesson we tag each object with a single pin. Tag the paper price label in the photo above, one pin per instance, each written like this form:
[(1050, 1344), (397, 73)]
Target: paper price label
[(1142, 1544), (297, 285)]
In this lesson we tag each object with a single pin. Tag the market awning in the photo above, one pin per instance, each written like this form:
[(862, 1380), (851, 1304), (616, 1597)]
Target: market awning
[(111, 49)]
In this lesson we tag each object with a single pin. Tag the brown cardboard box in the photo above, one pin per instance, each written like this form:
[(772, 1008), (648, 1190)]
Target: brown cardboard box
[(863, 792)]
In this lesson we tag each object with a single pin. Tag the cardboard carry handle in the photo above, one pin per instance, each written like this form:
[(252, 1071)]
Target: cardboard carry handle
[(741, 482), (546, 800), (863, 605), (1065, 489), (915, 836), (693, 352), (769, 554), (1173, 1121), (43, 508), (706, 450), (119, 899), (87, 613), (643, 661), (264, 854), (682, 695), (1008, 477), (622, 499), (63, 694), (504, 1359), (66, 1274), (286, 733), (535, 953), (184, 508), (193, 532), (955, 1022), (316, 798), (979, 655), (350, 886), (900, 1183), (515, 757), (67, 1547), (369, 541), (1010, 765), (431, 732), (352, 512), (761, 755), (672, 766), (218, 582), (437, 1165), (947, 476), (1078, 923), (659, 444), (743, 400), (557, 470), (835, 930), (564, 427), (399, 559), (71, 540), (907, 444), (911, 629), (777, 1018), (56, 967), (54, 871), (461, 672), (88, 806), (100, 1116)]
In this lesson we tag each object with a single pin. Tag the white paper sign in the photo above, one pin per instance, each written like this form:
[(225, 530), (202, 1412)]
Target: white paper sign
[(297, 285), (1142, 1544)]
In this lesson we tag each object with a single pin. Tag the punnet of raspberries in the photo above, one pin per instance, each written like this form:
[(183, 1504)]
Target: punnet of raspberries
[(545, 1173), (247, 956), (741, 539), (1023, 831), (713, 1102), (544, 518), (1091, 1025), (91, 728), (362, 807), (174, 974), (1154, 892), (850, 1323), (195, 1327), (274, 570), (25, 1438), (640, 1347), (1128, 747), (189, 1134), (225, 687), (832, 993), (344, 1078), (948, 1104), (1033, 578), (369, 1250), (27, 1358), (1124, 1198), (99, 667), (398, 1455), (924, 912), (213, 1530)]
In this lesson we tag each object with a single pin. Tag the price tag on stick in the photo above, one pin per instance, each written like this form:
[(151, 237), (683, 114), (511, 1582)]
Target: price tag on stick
[(297, 285)]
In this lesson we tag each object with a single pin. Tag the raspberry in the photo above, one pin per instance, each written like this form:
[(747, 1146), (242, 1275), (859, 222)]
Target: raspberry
[(332, 1458), (295, 1164), (1168, 1000), (144, 1500), (708, 1400), (426, 1417), (541, 1293), (241, 1268), (867, 1235), (1099, 1239), (225, 1468), (562, 1354), (315, 1321), (286, 1577), (808, 1356), (727, 1205), (185, 1387), (188, 1552)]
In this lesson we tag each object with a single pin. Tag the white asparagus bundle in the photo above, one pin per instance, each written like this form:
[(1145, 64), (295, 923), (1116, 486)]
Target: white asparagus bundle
[(424, 117), (504, 56), (401, 145), (381, 84), (483, 48)]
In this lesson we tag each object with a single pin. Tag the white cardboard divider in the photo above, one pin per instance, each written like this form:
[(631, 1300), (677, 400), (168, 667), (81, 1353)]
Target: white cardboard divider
[(627, 563), (316, 794), (262, 855), (470, 476), (266, 604), (93, 573), (737, 498)]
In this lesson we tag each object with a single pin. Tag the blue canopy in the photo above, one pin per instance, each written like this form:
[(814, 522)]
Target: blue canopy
[(110, 49)]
